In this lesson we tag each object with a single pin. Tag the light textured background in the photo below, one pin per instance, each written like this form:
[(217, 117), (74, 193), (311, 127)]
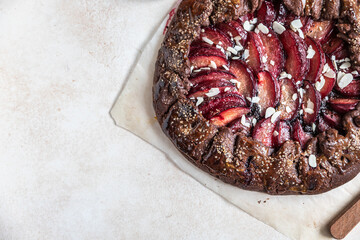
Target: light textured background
[(66, 171)]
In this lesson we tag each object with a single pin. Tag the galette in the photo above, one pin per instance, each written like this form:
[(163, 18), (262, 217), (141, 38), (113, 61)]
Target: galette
[(264, 95)]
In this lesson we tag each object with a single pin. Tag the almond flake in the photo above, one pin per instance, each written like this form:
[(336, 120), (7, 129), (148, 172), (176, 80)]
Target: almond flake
[(301, 34), (213, 92), (301, 92), (276, 133), (205, 39), (340, 75), (314, 127), (312, 161), (191, 69), (249, 99), (285, 75), (234, 81), (347, 59), (296, 24), (263, 28), (310, 104), (272, 62), (225, 67), (269, 112), (221, 48), (232, 50), (199, 100), (294, 96), (330, 74), (254, 21), (345, 65), (288, 109), (213, 65), (345, 80), (237, 40), (248, 27), (254, 121), (243, 121), (235, 58), (275, 116), (355, 72), (310, 52), (278, 27), (246, 54), (264, 59), (320, 84), (238, 47), (309, 110), (335, 65), (326, 68), (227, 89), (255, 99)]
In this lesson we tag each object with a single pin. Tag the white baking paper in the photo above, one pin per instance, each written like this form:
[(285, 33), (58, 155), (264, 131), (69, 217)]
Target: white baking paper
[(298, 217)]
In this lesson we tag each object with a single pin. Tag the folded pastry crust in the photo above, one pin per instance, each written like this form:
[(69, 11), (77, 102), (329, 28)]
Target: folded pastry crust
[(236, 158)]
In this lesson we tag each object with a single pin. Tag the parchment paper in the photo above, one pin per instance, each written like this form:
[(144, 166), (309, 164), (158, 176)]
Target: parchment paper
[(298, 217)]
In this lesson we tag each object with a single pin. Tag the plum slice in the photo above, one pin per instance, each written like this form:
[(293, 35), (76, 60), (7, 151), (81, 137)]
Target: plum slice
[(334, 44), (255, 52), (317, 60), (216, 37), (234, 30), (351, 90), (264, 131), (201, 57), (320, 30), (322, 125), (273, 53), (266, 14), (341, 53), (289, 105), (299, 134), (222, 101), (283, 133), (246, 17), (268, 91), (206, 51), (332, 118), (311, 103), (225, 117), (204, 87), (210, 76), (281, 11), (327, 79), (245, 78), (242, 124), (296, 50), (343, 105)]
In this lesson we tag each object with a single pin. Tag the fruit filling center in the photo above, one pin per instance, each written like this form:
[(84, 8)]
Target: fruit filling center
[(273, 76)]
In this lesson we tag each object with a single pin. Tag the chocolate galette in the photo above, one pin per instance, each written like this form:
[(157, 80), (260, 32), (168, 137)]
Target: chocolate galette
[(264, 95)]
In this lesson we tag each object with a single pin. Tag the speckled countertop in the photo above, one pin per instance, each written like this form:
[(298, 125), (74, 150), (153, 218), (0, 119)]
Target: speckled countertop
[(67, 172)]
